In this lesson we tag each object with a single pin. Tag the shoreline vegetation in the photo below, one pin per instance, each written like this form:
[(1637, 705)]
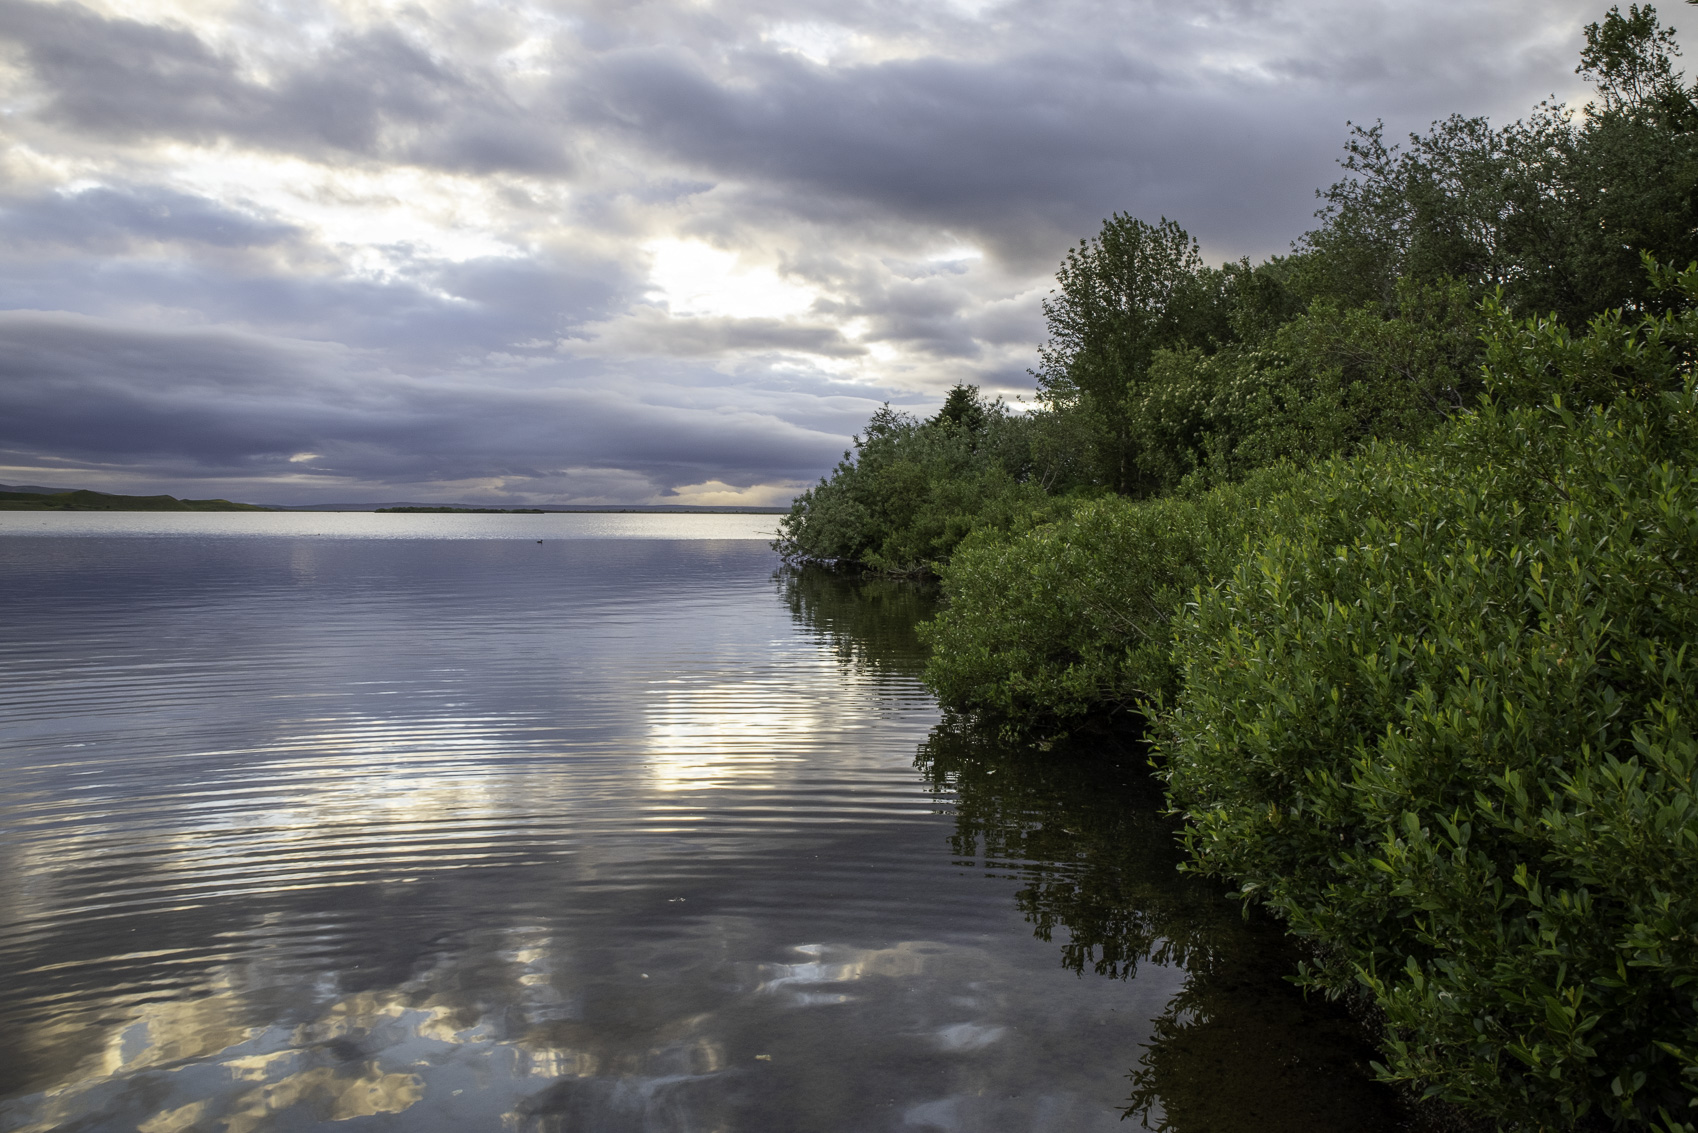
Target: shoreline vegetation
[(1388, 548)]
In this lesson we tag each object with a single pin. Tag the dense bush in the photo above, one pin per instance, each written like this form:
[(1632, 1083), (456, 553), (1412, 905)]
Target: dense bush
[(1063, 619), (1440, 720), (1327, 379), (911, 490)]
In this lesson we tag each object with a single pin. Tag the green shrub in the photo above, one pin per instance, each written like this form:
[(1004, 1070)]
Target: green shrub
[(912, 489), (1440, 720), (1321, 383), (1056, 621)]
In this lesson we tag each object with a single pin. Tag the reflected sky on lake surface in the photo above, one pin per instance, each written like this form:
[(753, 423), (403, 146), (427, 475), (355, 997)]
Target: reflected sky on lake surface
[(390, 525), (482, 833)]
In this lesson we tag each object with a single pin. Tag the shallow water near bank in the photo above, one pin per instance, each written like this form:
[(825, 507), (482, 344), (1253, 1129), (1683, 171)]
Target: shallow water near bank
[(434, 826)]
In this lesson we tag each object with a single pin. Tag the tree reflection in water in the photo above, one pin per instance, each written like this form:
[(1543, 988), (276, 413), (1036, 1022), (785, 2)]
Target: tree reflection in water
[(1082, 828), (870, 622)]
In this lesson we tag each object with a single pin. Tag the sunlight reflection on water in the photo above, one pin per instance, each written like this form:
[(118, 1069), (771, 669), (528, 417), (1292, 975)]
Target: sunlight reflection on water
[(599, 833)]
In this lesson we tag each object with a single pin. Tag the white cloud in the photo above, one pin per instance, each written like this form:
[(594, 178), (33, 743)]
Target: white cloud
[(694, 279)]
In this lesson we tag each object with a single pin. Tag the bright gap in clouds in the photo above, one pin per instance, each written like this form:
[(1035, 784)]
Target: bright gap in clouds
[(697, 280), (367, 215), (823, 44)]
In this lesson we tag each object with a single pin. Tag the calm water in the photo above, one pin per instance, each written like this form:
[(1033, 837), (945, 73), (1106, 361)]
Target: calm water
[(418, 823)]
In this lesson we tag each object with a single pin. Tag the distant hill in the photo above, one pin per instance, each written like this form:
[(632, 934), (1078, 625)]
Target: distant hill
[(31, 499)]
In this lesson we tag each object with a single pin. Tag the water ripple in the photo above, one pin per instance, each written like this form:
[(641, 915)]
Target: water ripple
[(484, 831)]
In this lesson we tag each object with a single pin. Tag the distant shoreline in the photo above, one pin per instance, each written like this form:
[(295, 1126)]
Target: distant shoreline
[(423, 510), (84, 500), (31, 498)]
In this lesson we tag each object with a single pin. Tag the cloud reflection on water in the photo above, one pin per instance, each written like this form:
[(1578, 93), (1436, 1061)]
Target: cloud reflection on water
[(477, 837), (521, 1062)]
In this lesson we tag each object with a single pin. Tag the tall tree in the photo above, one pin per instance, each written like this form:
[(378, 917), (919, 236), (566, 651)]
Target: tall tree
[(1129, 291), (1554, 209)]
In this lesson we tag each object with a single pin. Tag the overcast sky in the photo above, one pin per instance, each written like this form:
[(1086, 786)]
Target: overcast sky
[(293, 251)]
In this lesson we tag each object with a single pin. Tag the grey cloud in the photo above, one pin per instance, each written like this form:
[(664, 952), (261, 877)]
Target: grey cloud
[(1029, 146), (930, 140), (106, 219), (1071, 113), (213, 337), (373, 93), (84, 390), (926, 314), (650, 330), (121, 75), (115, 251), (85, 387), (930, 307)]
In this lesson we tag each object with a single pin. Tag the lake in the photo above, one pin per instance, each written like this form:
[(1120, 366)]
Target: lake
[(578, 822)]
